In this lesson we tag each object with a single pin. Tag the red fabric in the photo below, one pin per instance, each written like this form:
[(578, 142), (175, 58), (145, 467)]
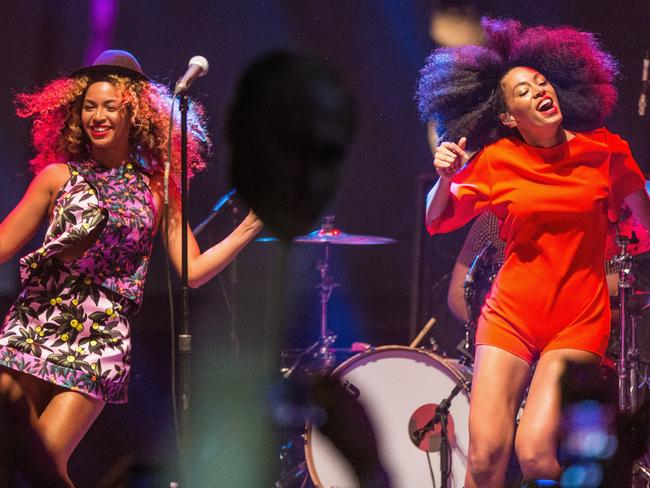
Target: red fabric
[(553, 203)]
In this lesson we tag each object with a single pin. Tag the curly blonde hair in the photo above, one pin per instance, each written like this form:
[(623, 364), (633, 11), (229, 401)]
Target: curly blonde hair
[(58, 135)]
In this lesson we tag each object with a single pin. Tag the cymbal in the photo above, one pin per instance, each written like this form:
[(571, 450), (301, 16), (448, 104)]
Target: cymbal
[(332, 235), (336, 236), (328, 234)]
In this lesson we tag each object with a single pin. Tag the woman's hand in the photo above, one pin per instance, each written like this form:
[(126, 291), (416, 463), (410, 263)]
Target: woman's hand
[(450, 158), (252, 223)]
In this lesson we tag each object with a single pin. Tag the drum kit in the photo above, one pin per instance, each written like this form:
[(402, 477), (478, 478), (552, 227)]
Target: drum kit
[(417, 401)]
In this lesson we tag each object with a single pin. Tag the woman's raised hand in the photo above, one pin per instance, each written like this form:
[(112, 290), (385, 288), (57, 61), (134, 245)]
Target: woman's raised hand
[(252, 222), (450, 158)]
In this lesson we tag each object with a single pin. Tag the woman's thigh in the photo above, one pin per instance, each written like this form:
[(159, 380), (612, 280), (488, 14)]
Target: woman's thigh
[(539, 425), (36, 391), (497, 388), (65, 421)]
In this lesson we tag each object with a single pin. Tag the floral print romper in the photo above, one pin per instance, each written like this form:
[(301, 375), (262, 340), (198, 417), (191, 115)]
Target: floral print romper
[(70, 323)]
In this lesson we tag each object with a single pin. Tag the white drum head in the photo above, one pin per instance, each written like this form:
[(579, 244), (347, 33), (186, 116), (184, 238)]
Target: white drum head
[(394, 382)]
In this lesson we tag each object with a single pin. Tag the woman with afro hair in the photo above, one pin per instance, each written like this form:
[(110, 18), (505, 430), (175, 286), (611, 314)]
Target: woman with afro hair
[(520, 120), (101, 139)]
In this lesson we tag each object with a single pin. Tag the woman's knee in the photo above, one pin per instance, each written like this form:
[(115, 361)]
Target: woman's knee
[(9, 387), (537, 458), (485, 458)]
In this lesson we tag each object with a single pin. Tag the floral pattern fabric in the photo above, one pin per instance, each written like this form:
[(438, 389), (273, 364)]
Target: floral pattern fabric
[(69, 325)]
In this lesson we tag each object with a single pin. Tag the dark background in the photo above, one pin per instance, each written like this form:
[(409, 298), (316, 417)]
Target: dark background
[(379, 46)]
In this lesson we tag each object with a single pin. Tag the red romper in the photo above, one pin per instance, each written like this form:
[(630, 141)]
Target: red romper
[(553, 205)]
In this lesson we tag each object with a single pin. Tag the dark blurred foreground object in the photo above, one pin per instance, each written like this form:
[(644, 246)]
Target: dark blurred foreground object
[(24, 462), (290, 125), (323, 401), (599, 447), (347, 426)]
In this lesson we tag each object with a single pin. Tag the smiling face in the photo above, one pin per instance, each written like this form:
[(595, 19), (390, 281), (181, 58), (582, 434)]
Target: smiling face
[(531, 103), (107, 123)]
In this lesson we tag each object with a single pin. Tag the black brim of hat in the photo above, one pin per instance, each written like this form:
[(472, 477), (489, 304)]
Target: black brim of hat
[(108, 69)]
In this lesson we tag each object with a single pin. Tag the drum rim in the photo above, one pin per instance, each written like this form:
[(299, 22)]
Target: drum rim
[(338, 371)]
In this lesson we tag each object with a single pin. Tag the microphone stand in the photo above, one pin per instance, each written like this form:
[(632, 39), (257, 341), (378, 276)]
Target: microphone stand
[(231, 293), (441, 417), (184, 338)]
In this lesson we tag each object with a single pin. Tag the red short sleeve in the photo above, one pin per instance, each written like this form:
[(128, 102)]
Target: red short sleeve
[(470, 194), (625, 177)]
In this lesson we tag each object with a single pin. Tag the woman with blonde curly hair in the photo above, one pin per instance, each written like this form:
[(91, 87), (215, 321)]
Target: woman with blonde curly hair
[(101, 143), (520, 120)]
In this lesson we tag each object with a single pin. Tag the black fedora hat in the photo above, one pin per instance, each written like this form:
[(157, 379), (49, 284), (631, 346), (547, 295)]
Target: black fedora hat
[(113, 61)]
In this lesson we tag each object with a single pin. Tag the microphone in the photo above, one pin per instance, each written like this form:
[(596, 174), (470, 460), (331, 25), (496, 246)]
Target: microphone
[(643, 102), (197, 67), (227, 199), (230, 200), (487, 248)]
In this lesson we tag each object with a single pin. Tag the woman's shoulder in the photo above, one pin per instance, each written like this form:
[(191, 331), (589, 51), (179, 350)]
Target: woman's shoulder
[(603, 135), (53, 175)]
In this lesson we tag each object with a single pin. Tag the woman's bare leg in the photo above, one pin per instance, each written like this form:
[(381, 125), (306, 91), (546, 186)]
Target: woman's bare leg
[(537, 435), (64, 422), (61, 416), (38, 392), (27, 452), (497, 389)]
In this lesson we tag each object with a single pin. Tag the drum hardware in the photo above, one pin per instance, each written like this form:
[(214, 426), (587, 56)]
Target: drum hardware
[(466, 346), (325, 288), (320, 351), (295, 477), (435, 347), (627, 397), (328, 234), (320, 357), (641, 470), (399, 388), (628, 358)]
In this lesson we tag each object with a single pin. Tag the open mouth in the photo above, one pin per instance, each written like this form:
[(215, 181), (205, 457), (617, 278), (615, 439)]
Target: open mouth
[(99, 130), (546, 105)]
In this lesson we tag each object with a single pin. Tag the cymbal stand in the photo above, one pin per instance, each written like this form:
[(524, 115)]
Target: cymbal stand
[(628, 358), (296, 474), (627, 364), (325, 288)]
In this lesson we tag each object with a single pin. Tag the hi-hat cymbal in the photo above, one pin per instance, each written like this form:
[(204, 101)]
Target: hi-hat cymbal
[(336, 236)]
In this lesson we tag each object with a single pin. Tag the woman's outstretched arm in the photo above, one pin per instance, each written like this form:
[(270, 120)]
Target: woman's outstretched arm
[(203, 266)]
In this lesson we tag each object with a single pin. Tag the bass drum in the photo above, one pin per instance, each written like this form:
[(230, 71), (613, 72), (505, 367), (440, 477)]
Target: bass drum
[(399, 388)]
